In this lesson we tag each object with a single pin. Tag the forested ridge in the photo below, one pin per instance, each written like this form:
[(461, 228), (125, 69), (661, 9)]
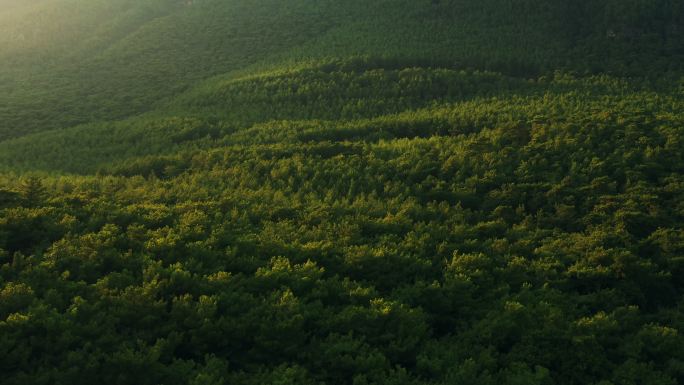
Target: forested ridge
[(320, 192)]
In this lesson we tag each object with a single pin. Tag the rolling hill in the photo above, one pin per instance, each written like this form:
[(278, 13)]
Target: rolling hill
[(326, 192)]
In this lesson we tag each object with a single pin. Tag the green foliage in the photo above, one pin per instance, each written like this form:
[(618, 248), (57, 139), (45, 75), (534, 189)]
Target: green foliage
[(320, 192), (32, 190), (71, 62)]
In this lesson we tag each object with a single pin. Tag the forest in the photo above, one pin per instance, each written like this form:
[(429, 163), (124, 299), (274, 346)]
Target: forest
[(315, 192)]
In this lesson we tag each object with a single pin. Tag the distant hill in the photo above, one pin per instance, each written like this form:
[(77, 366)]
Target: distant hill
[(68, 62)]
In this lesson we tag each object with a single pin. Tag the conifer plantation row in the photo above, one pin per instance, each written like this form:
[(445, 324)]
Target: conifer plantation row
[(307, 192)]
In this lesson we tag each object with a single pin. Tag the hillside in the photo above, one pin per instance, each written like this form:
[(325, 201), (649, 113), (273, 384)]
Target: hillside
[(324, 192), (68, 62)]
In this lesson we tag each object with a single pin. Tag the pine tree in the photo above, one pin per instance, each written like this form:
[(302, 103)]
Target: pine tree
[(32, 190)]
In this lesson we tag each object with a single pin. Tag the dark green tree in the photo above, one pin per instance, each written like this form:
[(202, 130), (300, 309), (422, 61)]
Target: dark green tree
[(32, 190)]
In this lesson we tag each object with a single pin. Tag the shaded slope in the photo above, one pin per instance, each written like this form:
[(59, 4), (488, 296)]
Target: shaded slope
[(145, 54), (138, 54)]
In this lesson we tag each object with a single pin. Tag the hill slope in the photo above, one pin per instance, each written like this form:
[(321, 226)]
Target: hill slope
[(325, 192), (68, 62)]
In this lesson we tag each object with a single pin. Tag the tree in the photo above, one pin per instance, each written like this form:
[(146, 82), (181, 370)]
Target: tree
[(32, 190)]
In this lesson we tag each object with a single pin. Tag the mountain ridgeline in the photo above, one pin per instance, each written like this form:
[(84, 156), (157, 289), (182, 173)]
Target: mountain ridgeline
[(324, 192)]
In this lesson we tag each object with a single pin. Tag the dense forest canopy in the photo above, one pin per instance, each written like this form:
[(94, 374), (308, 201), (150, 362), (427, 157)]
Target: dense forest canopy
[(323, 192)]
